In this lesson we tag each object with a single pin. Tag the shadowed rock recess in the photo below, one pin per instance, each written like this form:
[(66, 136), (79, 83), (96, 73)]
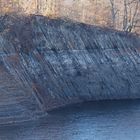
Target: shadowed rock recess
[(47, 63)]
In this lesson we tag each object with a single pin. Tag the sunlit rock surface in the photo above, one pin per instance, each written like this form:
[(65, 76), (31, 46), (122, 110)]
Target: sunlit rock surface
[(47, 63)]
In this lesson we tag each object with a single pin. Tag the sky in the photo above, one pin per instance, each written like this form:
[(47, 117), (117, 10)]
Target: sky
[(68, 2)]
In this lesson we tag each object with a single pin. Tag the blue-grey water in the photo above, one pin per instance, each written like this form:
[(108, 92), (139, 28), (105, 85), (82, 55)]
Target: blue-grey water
[(105, 120)]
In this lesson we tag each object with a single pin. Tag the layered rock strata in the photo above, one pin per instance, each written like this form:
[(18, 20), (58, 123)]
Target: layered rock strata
[(48, 63)]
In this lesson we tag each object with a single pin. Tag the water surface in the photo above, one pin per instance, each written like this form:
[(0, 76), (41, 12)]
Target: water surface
[(105, 120)]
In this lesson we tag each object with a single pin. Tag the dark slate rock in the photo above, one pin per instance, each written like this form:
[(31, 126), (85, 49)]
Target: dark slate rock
[(46, 63)]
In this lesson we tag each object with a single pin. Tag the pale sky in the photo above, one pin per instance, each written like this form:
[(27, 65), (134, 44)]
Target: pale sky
[(68, 2)]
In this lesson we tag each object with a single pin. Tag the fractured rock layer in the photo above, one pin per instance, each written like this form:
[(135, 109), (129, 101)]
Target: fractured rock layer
[(47, 63)]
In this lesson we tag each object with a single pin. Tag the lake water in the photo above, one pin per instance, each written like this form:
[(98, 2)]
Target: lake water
[(105, 120)]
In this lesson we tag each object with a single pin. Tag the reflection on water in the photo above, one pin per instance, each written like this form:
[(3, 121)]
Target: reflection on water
[(106, 120)]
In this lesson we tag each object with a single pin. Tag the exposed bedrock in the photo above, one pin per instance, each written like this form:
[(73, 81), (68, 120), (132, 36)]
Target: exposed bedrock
[(50, 63)]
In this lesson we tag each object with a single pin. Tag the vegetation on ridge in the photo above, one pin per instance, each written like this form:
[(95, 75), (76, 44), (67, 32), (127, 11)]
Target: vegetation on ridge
[(118, 14)]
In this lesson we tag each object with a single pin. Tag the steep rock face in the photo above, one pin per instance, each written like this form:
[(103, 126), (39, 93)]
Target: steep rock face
[(49, 63), (17, 103)]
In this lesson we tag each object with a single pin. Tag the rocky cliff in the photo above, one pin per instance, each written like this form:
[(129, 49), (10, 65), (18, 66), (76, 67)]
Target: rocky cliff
[(49, 63)]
